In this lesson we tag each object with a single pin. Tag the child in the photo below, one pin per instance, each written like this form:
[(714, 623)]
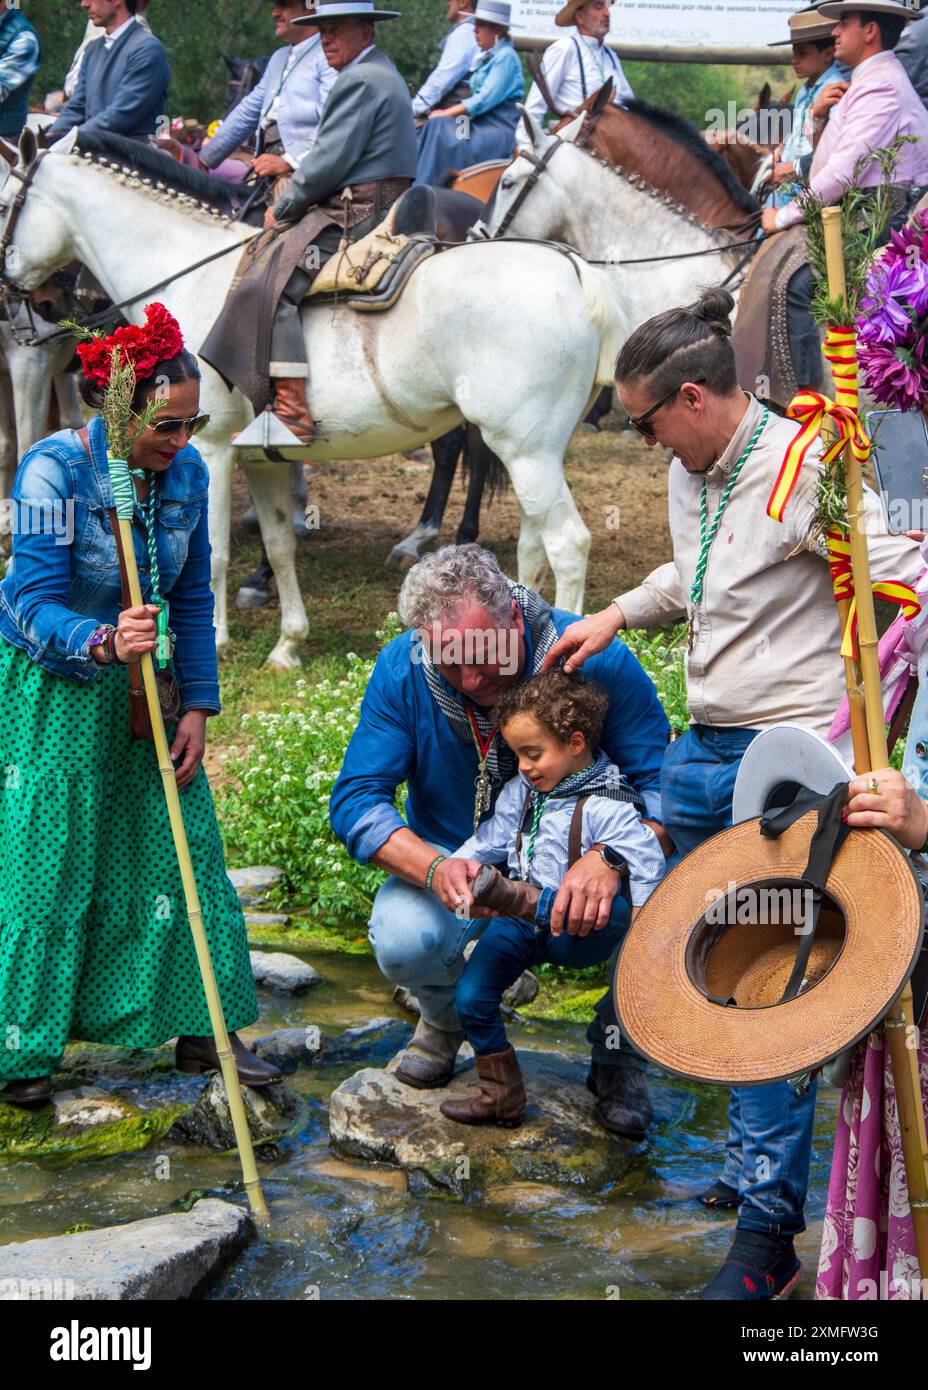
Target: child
[(566, 800)]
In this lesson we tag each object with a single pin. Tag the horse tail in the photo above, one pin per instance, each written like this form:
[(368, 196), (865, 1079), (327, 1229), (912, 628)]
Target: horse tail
[(601, 304)]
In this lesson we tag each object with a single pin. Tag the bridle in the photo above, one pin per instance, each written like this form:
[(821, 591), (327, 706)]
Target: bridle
[(540, 165), (26, 179)]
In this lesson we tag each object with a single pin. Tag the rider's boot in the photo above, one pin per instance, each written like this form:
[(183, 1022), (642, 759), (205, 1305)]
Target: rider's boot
[(291, 408)]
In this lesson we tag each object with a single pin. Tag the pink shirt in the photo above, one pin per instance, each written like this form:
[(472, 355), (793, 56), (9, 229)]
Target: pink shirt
[(880, 104)]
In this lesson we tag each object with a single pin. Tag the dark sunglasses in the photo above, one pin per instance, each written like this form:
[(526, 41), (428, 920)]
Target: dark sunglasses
[(641, 423), (191, 426)]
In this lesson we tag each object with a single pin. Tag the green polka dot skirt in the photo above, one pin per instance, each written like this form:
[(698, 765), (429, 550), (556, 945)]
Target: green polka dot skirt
[(95, 943)]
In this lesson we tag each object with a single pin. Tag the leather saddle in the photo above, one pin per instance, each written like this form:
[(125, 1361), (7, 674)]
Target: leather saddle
[(370, 274)]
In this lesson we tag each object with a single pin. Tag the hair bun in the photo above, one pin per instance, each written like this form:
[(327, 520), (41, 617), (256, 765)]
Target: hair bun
[(715, 306)]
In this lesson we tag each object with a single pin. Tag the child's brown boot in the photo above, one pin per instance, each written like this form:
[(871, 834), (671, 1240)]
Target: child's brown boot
[(502, 1095), (510, 896)]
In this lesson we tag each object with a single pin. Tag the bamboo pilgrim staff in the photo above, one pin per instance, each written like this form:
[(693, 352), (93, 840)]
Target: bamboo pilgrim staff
[(124, 498), (870, 754)]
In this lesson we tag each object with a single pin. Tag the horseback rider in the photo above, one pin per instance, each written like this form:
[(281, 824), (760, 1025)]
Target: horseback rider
[(283, 111), (878, 105), (459, 52), (482, 126), (814, 61), (363, 159), (123, 81), (577, 65), (19, 62)]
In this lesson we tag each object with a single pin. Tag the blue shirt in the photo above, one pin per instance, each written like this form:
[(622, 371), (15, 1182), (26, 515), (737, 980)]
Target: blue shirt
[(459, 53), (799, 143), (63, 580), (403, 736), (497, 78)]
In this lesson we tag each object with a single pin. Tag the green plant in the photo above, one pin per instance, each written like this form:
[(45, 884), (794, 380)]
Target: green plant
[(662, 654)]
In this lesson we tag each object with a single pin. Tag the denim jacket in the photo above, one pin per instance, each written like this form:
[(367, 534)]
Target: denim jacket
[(63, 579)]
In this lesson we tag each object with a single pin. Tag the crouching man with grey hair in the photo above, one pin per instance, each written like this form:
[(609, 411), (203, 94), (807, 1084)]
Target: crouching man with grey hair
[(425, 720)]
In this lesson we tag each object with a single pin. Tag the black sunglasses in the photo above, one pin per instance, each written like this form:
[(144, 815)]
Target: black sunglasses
[(641, 423), (190, 426)]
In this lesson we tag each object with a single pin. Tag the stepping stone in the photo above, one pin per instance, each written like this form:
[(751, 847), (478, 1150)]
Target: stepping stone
[(375, 1117), (268, 1109), (283, 972), (253, 885), (162, 1257)]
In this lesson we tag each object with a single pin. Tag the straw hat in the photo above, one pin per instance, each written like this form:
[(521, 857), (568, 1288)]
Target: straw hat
[(565, 17), (686, 946), (905, 9), (805, 27), (779, 760)]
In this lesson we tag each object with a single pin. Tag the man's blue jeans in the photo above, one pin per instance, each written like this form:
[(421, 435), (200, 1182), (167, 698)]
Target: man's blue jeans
[(419, 944), (507, 946), (769, 1143)]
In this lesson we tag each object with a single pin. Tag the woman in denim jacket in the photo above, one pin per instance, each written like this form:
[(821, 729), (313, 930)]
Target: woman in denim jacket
[(95, 942)]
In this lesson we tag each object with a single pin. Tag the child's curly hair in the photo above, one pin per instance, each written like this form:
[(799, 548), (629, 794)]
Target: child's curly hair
[(562, 703)]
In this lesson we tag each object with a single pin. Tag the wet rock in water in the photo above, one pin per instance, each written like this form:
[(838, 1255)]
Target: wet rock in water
[(253, 885), (267, 919), (163, 1257), (373, 1116), (375, 1041), (290, 1048), (84, 1122), (269, 1110), (87, 1106), (277, 970)]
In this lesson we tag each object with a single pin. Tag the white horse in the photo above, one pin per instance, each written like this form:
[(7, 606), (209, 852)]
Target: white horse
[(644, 237), (514, 338)]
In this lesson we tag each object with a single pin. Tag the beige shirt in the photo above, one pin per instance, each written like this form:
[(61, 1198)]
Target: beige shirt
[(767, 644)]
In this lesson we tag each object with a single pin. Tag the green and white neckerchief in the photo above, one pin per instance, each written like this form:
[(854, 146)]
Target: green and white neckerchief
[(165, 648), (707, 533)]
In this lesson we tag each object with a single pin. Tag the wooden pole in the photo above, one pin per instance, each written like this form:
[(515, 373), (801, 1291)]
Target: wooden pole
[(901, 1030), (123, 493)]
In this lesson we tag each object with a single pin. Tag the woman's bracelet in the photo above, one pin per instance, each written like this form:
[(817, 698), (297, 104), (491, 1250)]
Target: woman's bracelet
[(439, 859)]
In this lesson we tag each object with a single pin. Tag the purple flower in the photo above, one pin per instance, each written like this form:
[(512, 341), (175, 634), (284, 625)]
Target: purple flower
[(896, 376), (896, 293)]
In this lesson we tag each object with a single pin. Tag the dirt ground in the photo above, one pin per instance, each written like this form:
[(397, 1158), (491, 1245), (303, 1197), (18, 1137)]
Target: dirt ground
[(619, 485)]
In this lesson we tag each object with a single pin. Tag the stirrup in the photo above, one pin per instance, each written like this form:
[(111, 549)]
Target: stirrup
[(267, 431)]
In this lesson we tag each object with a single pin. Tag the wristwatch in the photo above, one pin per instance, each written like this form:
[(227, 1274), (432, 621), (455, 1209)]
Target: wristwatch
[(611, 857)]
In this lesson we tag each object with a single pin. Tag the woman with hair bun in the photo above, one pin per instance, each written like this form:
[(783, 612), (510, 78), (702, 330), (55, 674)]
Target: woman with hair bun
[(95, 943), (763, 649)]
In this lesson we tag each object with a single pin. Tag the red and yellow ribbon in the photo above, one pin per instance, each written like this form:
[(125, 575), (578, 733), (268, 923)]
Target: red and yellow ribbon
[(811, 408), (842, 579)]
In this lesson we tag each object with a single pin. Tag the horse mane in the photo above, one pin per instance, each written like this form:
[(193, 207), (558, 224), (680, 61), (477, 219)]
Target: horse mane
[(163, 173), (683, 133)]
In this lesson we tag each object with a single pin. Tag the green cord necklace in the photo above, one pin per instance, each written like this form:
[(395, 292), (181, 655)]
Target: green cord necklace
[(538, 805), (707, 533), (165, 648)]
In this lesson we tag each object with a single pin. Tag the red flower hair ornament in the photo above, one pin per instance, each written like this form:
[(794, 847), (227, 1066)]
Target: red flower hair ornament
[(140, 347)]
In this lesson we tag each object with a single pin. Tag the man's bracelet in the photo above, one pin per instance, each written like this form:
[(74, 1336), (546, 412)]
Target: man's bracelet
[(439, 859)]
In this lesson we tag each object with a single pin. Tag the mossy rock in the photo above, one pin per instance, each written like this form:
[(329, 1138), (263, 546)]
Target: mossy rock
[(39, 1134)]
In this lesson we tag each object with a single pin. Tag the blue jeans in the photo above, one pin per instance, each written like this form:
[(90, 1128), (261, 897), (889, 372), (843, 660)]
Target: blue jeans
[(769, 1143), (507, 946), (419, 944)]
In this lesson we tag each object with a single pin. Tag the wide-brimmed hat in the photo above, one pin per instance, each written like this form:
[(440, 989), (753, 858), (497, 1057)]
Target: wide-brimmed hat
[(777, 763), (806, 27), (704, 969), (494, 12), (344, 9), (903, 9), (565, 17)]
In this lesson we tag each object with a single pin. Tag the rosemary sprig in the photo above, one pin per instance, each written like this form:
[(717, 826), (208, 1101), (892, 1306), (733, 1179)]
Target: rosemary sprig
[(123, 424)]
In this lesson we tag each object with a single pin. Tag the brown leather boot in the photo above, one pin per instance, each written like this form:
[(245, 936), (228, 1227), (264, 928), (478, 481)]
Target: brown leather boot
[(197, 1054), (502, 1094), (428, 1061), (28, 1093), (291, 408), (510, 896)]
